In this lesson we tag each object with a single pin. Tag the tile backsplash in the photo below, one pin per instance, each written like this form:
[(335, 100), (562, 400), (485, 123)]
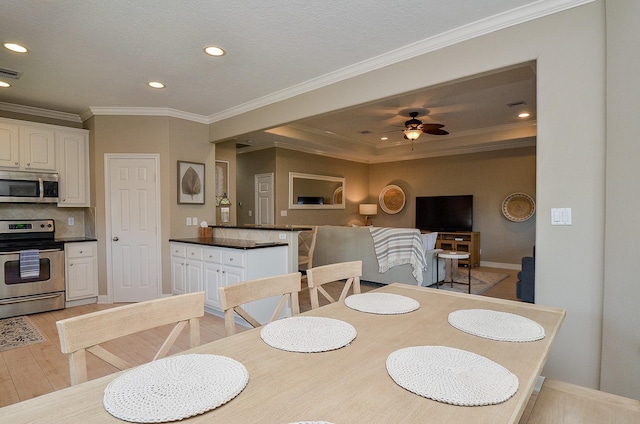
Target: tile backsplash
[(60, 215)]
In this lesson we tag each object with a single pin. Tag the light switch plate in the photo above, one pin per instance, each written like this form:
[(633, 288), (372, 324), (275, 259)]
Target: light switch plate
[(560, 216), (188, 221)]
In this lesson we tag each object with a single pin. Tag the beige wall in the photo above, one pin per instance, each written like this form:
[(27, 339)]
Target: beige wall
[(172, 139), (282, 161), (621, 338), (569, 51), (488, 176), (249, 164)]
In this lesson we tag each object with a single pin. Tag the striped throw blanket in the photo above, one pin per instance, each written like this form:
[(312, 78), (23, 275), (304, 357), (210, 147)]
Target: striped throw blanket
[(399, 246)]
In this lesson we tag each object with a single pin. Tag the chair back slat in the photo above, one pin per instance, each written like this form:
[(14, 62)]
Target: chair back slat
[(318, 276), (86, 332), (234, 295)]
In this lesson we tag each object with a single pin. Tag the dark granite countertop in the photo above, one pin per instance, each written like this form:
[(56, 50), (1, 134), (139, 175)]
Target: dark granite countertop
[(75, 239), (264, 227), (230, 243)]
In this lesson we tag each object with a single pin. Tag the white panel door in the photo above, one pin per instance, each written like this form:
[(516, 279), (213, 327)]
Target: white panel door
[(134, 220), (264, 199)]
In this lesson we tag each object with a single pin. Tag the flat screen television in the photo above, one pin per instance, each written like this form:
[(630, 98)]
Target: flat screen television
[(310, 200), (444, 213)]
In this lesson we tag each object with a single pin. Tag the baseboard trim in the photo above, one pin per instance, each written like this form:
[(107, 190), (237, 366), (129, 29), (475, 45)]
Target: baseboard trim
[(500, 265)]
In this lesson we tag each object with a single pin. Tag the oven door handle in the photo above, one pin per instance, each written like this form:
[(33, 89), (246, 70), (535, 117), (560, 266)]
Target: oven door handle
[(17, 252), (29, 298)]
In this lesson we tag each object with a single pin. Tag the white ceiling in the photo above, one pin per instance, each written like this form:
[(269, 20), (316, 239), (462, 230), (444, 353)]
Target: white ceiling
[(96, 56)]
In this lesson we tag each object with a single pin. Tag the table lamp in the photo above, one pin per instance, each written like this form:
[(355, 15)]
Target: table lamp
[(368, 209)]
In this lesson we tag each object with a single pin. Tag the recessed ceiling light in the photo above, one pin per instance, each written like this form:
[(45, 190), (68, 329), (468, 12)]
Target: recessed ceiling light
[(4, 84), (384, 138), (155, 84), (15, 47), (214, 51), (523, 115)]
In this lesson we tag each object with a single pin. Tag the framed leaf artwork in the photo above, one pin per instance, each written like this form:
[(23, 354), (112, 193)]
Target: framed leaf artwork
[(190, 183)]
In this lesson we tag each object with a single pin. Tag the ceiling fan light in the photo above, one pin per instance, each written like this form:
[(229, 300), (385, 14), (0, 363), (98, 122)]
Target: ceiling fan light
[(412, 133)]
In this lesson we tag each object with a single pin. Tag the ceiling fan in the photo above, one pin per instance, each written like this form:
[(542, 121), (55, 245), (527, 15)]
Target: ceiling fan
[(414, 128)]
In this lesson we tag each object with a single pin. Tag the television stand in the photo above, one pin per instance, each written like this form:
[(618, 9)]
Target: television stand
[(461, 242)]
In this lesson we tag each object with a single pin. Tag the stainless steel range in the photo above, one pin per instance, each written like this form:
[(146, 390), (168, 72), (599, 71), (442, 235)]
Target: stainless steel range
[(31, 267)]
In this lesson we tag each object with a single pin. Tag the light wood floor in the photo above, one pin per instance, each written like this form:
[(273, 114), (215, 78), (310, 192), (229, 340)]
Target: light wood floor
[(34, 370)]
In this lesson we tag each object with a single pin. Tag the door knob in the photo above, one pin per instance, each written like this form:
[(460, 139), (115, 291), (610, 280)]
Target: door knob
[(115, 238)]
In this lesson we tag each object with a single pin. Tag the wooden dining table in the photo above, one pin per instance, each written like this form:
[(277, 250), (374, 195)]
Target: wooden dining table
[(346, 385)]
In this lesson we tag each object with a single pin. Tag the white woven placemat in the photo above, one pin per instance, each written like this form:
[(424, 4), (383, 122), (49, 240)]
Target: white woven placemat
[(451, 375), (496, 325), (311, 422), (174, 388), (381, 303), (308, 334)]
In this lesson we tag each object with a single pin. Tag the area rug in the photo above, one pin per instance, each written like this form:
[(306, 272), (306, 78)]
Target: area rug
[(481, 281), (18, 332)]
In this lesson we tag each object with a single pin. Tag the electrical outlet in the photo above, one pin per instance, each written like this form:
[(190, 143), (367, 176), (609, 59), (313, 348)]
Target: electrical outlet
[(188, 221), (194, 220), (283, 213), (71, 221), (282, 236)]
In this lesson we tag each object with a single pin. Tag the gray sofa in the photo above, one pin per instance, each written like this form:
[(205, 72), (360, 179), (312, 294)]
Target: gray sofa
[(342, 244)]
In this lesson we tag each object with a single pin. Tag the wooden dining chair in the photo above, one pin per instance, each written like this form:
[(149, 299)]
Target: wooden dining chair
[(306, 247), (234, 295), (86, 332), (317, 276)]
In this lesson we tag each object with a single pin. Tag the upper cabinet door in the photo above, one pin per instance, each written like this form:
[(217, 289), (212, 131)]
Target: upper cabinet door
[(39, 149), (9, 145), (73, 168)]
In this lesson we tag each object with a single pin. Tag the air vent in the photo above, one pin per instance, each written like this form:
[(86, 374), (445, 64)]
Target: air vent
[(8, 73)]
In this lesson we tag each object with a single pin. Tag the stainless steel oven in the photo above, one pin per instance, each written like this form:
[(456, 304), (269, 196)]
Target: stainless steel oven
[(42, 287)]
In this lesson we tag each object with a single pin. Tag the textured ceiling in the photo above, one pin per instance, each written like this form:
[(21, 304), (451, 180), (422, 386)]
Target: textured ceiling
[(87, 55)]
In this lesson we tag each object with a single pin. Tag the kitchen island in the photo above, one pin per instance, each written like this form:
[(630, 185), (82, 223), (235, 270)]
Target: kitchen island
[(208, 263), (264, 233)]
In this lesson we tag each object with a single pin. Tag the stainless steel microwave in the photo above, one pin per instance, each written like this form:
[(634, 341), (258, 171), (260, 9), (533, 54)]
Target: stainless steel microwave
[(28, 187)]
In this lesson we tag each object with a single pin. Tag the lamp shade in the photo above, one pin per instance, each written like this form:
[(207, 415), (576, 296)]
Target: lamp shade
[(412, 133), (368, 209)]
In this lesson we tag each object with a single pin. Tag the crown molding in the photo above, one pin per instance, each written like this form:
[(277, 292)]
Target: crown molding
[(44, 113), (482, 27), (143, 111)]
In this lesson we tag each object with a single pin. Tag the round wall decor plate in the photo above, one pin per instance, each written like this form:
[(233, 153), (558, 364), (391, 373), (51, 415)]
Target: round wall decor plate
[(392, 199), (518, 207)]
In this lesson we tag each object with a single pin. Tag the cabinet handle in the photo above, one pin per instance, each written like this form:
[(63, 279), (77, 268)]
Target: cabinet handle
[(81, 251), (15, 163), (116, 238), (230, 259)]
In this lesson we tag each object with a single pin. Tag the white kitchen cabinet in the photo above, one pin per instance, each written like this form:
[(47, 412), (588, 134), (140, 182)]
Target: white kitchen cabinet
[(81, 270), (9, 145), (186, 268), (73, 168), (220, 266), (39, 147), (27, 147)]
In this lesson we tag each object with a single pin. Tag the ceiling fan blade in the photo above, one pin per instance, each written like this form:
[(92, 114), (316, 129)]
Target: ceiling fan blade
[(436, 131), (430, 127)]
